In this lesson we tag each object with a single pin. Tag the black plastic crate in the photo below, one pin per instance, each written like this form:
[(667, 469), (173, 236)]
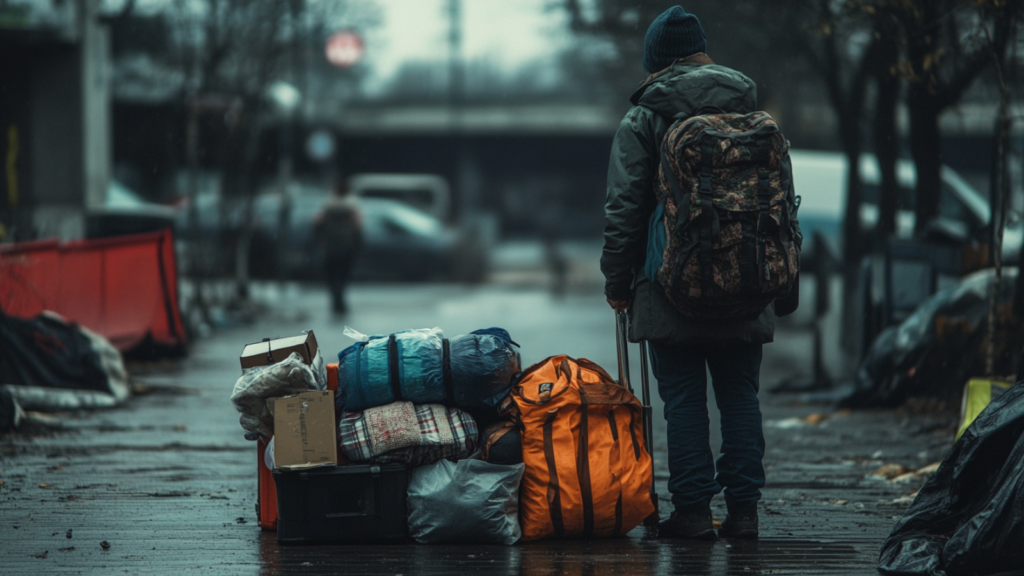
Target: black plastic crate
[(352, 503)]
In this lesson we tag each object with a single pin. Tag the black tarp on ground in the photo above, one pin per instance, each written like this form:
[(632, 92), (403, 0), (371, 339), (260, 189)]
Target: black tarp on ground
[(937, 348), (44, 351), (968, 518), (47, 363)]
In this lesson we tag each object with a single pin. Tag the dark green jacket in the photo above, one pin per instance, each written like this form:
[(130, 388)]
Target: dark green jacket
[(682, 89)]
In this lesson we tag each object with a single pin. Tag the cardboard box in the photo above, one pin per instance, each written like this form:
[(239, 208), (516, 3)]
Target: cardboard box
[(274, 350), (304, 431)]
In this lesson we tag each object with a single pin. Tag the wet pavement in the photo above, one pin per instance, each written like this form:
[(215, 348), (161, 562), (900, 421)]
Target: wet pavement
[(169, 483)]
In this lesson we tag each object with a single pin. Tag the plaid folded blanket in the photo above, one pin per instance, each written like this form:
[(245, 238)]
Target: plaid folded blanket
[(388, 434)]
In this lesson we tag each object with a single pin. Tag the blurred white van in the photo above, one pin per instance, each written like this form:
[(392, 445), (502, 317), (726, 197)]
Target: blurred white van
[(428, 192), (820, 180)]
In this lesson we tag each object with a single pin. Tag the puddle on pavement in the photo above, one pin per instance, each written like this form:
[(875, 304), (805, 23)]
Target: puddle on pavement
[(618, 557)]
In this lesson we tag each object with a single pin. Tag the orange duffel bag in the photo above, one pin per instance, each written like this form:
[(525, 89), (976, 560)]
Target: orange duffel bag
[(588, 472)]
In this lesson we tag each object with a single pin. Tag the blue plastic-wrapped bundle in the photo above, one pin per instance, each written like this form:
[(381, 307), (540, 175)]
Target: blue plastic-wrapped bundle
[(365, 369), (483, 363), (472, 372)]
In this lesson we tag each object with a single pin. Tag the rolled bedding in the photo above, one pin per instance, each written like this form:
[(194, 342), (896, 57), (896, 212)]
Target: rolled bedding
[(472, 371)]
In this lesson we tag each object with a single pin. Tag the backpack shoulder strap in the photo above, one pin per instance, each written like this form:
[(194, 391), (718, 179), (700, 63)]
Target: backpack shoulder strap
[(682, 200), (710, 232)]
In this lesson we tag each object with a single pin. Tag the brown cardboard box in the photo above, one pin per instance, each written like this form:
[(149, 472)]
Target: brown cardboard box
[(304, 431), (268, 352)]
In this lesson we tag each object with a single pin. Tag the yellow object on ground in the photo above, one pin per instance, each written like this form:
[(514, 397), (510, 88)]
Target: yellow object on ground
[(978, 393)]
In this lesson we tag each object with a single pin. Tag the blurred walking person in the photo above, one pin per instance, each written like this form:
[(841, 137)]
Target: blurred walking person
[(339, 233), (668, 246)]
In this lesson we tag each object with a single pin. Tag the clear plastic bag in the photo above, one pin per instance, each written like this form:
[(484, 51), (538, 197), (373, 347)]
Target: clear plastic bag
[(319, 368), (468, 501)]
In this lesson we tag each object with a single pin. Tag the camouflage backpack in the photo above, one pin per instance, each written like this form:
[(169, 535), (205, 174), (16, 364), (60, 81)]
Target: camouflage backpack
[(726, 248)]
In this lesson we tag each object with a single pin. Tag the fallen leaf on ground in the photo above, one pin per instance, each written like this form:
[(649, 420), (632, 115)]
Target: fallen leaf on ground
[(786, 423), (815, 418), (45, 484), (844, 412), (839, 502), (905, 500), (890, 471), (904, 477), (717, 524), (925, 471)]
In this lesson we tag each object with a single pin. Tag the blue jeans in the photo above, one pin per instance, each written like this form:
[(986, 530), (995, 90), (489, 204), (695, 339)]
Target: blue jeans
[(682, 383)]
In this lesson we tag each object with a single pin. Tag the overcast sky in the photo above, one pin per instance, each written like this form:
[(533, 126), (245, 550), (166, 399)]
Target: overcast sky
[(506, 32)]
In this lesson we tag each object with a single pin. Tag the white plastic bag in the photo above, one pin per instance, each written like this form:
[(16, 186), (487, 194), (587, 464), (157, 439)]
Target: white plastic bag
[(468, 501), (319, 368), (258, 384)]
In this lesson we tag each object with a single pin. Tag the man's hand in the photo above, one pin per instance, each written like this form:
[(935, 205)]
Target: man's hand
[(619, 305)]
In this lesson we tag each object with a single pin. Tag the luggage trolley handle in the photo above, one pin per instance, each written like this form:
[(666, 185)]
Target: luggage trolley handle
[(622, 346)]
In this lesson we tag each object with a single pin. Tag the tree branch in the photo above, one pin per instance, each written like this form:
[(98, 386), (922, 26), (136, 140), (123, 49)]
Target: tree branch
[(976, 62)]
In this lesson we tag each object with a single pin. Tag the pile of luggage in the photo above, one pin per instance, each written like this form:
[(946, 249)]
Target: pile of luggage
[(440, 440)]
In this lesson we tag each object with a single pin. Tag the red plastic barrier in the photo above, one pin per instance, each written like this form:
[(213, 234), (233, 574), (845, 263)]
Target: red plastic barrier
[(124, 288)]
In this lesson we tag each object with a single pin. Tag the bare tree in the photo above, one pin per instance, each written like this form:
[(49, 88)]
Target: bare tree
[(885, 135), (948, 45), (231, 51)]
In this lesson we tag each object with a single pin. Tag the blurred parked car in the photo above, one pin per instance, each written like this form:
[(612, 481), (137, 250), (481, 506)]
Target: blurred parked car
[(820, 179), (125, 212), (428, 192), (401, 243)]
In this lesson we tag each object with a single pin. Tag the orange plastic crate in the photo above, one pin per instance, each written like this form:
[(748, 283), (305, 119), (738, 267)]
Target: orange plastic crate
[(266, 491)]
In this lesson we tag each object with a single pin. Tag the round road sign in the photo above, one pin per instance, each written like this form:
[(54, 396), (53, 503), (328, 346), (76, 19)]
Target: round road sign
[(344, 49)]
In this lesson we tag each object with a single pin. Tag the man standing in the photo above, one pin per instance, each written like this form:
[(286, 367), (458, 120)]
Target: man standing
[(684, 82), (339, 232)]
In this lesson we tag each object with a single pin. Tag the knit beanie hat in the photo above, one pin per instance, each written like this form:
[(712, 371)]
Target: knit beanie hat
[(674, 34)]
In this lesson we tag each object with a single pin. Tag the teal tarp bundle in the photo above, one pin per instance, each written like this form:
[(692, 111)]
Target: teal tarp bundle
[(472, 371)]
